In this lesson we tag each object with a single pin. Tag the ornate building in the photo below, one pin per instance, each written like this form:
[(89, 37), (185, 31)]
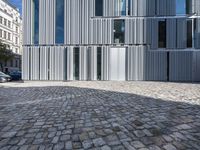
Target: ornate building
[(111, 40), (11, 33)]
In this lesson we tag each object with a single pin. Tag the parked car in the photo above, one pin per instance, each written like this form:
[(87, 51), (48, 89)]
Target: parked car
[(4, 77), (16, 75), (2, 80)]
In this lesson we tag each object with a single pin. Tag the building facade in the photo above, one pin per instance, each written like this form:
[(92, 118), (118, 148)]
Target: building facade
[(111, 40), (11, 33)]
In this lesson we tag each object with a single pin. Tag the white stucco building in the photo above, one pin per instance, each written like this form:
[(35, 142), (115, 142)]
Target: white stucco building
[(11, 32)]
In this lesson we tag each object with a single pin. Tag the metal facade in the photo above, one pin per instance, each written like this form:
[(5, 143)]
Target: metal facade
[(144, 59)]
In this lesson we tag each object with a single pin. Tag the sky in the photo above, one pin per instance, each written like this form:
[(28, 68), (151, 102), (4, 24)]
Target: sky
[(179, 3), (17, 3)]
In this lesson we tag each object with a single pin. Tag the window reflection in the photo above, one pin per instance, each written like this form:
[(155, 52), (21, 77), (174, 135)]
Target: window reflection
[(59, 21), (98, 7), (36, 22), (119, 31)]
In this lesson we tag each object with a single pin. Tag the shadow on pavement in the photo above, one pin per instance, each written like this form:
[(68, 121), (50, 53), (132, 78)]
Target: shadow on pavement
[(71, 117)]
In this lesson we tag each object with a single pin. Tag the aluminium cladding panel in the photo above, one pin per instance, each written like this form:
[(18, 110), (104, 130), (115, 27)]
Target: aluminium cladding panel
[(92, 73), (47, 22), (156, 66), (74, 22), (196, 66), (117, 63), (135, 31), (196, 7), (57, 65), (27, 21), (70, 62), (25, 63), (181, 33), (34, 63), (136, 62), (152, 33), (84, 63), (44, 63), (166, 8), (197, 34), (101, 31), (181, 66), (108, 8), (171, 33), (77, 22), (105, 62)]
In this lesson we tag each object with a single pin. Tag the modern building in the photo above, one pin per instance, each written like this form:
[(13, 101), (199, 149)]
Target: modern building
[(111, 40), (11, 33)]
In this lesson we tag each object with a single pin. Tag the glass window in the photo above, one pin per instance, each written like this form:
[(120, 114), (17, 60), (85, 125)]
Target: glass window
[(1, 19), (0, 32), (16, 63), (11, 63), (123, 7), (129, 7), (9, 36), (5, 34), (98, 7), (5, 22), (16, 40), (189, 33), (9, 24), (36, 22), (98, 63), (183, 7), (162, 34), (180, 7), (76, 63), (119, 31), (59, 21)]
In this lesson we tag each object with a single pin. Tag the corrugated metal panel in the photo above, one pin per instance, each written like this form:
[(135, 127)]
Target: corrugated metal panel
[(105, 63), (44, 63), (70, 63), (171, 33), (181, 33), (25, 63), (34, 63), (197, 34), (196, 66), (181, 66), (156, 66), (136, 62)]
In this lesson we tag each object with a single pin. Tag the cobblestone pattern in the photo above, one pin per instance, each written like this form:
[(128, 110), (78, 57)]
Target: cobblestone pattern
[(67, 117)]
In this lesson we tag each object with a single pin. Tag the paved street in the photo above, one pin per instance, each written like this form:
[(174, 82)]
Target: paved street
[(99, 115)]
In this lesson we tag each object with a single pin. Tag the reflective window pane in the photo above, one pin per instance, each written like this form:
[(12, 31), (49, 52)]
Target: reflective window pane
[(59, 22), (119, 31), (183, 7), (36, 22), (98, 7)]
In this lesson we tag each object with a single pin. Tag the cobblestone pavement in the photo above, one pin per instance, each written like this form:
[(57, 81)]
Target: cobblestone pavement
[(99, 115)]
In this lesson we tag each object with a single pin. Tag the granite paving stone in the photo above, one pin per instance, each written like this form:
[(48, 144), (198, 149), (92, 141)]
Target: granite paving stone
[(99, 115)]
